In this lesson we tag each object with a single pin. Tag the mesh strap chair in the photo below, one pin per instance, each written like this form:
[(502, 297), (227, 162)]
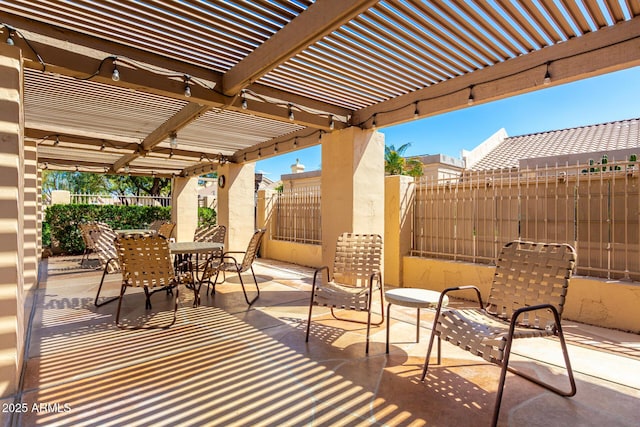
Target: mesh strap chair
[(526, 301), (104, 240), (155, 225), (86, 228), (208, 262), (356, 276), (230, 263), (145, 262)]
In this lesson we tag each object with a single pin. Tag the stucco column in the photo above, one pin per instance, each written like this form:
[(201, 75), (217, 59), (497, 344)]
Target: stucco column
[(264, 210), (184, 207), (31, 247), (399, 193), (352, 186), (12, 230), (236, 204)]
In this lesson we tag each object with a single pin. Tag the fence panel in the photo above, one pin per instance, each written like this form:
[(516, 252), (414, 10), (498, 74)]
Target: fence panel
[(595, 209), (110, 199), (296, 216)]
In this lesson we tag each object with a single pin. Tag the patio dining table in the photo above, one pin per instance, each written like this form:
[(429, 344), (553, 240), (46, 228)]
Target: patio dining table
[(182, 249)]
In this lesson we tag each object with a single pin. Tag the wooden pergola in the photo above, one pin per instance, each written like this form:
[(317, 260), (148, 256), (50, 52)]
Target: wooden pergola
[(112, 86)]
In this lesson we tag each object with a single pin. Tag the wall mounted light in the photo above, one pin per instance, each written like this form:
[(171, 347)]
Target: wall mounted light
[(115, 75), (187, 88), (173, 140), (244, 100)]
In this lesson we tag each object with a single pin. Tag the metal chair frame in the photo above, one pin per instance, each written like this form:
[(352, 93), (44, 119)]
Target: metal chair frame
[(232, 265), (357, 266), (216, 234), (511, 314)]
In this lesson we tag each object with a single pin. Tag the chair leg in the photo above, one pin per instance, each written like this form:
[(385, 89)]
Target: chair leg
[(246, 297), (122, 289), (313, 289), (104, 273), (431, 338), (388, 324)]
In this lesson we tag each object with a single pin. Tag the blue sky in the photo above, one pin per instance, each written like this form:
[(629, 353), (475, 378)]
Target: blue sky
[(601, 99)]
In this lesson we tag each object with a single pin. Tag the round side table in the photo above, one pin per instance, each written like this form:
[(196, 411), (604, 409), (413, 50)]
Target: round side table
[(413, 297)]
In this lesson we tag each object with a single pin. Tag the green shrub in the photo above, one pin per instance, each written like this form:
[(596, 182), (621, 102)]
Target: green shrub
[(62, 221), (206, 216)]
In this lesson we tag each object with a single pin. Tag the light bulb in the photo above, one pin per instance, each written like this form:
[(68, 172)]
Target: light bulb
[(416, 112), (171, 154), (187, 91), (275, 148), (102, 147), (127, 169), (332, 125), (547, 77), (115, 76), (295, 142), (173, 140), (471, 100), (57, 140), (374, 124), (291, 116), (10, 41), (244, 101)]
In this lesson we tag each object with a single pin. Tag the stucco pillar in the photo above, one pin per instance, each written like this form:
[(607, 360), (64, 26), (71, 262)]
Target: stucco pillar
[(30, 215), (352, 186), (236, 204), (12, 230), (264, 210), (184, 207), (399, 193)]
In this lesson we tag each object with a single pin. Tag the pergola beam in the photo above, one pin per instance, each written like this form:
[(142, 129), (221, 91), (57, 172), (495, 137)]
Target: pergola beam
[(318, 20), (186, 115), (293, 141), (604, 51)]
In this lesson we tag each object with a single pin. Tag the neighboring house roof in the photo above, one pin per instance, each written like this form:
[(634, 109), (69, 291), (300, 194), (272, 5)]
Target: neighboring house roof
[(564, 145)]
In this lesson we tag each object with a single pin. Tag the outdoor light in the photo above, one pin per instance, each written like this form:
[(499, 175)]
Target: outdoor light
[(244, 158), (471, 100), (295, 142), (10, 40), (332, 125), (173, 140), (244, 101), (291, 116), (45, 166), (416, 112), (547, 76), (57, 141), (275, 148), (374, 123), (259, 153), (171, 154), (187, 88), (127, 169), (115, 76), (102, 147)]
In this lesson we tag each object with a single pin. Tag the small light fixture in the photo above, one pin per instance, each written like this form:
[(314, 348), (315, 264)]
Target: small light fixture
[(115, 75), (275, 147), (259, 153), (244, 157), (57, 141), (45, 166), (291, 116), (416, 112), (295, 141), (244, 101), (102, 147), (471, 100), (320, 135), (11, 32), (173, 140), (187, 88), (202, 157), (171, 154), (332, 124), (374, 123), (547, 76), (77, 168), (127, 169)]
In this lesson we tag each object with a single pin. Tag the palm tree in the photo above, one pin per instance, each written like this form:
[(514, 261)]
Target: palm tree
[(396, 164)]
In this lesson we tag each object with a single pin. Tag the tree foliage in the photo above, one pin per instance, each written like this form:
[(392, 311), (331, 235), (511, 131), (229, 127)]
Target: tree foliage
[(396, 164), (92, 183)]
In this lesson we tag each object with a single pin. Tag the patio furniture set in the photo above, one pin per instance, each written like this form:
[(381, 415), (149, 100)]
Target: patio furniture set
[(525, 301)]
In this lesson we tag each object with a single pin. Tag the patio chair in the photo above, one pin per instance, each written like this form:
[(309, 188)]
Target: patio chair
[(104, 241), (356, 276), (146, 262), (86, 228), (165, 230), (230, 263), (155, 225), (526, 301), (215, 234)]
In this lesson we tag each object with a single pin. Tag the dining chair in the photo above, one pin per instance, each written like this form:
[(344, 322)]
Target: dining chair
[(229, 263), (145, 262), (86, 228), (104, 240), (526, 300), (208, 262), (356, 277)]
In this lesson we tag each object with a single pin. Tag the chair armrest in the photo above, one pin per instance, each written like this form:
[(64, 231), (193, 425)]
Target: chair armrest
[(521, 310), (461, 288)]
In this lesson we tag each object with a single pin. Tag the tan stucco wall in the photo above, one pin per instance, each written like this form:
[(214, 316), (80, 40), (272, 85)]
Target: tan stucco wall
[(184, 212), (296, 253), (12, 223), (352, 186), (236, 204), (399, 192), (589, 300)]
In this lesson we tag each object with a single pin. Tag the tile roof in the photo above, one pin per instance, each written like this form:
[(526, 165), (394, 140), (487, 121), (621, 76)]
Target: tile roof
[(598, 138)]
